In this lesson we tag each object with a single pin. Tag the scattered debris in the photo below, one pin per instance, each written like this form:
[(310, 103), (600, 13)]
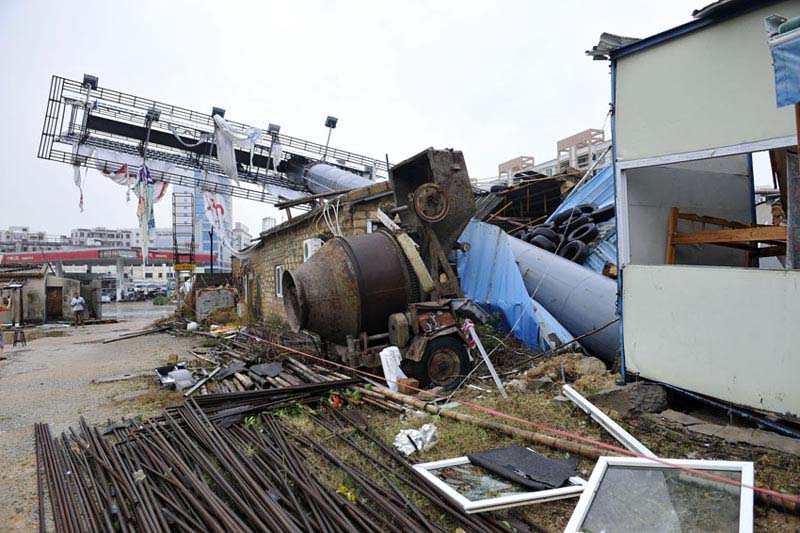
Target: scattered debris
[(754, 437), (632, 399), (625, 438), (526, 467), (138, 334), (123, 377), (640, 494), (475, 489), (409, 441)]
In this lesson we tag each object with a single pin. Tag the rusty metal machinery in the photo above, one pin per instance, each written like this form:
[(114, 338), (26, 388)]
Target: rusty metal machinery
[(349, 286), (395, 285)]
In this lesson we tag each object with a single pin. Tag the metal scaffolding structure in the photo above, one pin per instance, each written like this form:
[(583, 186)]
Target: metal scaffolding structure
[(85, 124)]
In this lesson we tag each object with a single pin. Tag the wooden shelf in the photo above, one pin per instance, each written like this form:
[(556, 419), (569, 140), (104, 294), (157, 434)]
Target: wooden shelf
[(735, 235)]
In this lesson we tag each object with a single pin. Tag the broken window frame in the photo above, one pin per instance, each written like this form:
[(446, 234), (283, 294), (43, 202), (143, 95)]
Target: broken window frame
[(745, 495), (493, 504)]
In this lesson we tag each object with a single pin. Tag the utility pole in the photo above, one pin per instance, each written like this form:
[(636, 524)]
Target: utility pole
[(211, 235)]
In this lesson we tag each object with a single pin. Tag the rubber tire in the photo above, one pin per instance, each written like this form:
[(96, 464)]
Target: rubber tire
[(540, 241), (419, 369), (603, 214), (585, 233), (575, 251), (526, 236), (498, 188), (576, 222), (545, 232), (560, 218), (586, 209)]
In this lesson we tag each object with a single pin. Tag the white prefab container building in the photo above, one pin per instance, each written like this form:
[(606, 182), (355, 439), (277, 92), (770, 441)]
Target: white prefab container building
[(691, 106)]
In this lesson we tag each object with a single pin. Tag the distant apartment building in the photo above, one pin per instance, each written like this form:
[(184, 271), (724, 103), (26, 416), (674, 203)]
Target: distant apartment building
[(103, 237), (205, 242), (579, 151), (161, 240), (22, 239), (240, 236)]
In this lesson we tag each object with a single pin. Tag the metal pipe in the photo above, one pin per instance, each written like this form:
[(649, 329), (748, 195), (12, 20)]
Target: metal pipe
[(580, 299), (321, 178)]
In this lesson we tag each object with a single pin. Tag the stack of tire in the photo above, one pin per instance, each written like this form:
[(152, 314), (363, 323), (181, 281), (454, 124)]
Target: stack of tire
[(569, 232)]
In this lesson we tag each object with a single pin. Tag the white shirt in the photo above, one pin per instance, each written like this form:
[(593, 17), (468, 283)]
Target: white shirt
[(77, 303)]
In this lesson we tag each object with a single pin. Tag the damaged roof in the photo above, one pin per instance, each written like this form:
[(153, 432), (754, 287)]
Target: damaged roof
[(611, 45), (379, 189), (29, 270), (608, 44)]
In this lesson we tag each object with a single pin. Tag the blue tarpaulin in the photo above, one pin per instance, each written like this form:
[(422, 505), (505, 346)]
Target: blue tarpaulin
[(489, 275), (786, 61)]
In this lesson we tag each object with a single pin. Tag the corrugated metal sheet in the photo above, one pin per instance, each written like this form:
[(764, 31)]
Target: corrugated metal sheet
[(598, 191)]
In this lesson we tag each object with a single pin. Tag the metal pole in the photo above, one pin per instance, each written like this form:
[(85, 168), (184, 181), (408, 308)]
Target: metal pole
[(211, 234), (793, 201), (325, 153)]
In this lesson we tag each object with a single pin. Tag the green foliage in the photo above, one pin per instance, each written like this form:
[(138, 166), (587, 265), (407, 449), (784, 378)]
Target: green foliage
[(161, 300)]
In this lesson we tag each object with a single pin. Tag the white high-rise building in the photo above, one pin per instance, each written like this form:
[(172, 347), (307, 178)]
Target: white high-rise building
[(202, 227), (267, 223)]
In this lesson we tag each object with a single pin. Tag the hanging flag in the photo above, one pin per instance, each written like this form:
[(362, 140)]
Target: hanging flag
[(147, 221)]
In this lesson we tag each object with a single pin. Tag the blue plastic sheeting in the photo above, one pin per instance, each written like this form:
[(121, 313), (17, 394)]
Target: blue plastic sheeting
[(489, 275), (598, 191), (786, 61)]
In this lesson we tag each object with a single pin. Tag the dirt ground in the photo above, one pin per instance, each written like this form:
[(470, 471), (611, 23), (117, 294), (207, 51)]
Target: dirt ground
[(50, 380)]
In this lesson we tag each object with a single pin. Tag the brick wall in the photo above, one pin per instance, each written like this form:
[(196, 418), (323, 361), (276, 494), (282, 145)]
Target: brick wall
[(283, 245)]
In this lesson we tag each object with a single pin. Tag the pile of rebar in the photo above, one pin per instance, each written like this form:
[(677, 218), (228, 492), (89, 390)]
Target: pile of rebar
[(241, 363), (212, 464)]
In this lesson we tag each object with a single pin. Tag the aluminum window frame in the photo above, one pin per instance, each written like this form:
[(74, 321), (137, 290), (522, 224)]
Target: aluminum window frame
[(493, 504), (745, 468)]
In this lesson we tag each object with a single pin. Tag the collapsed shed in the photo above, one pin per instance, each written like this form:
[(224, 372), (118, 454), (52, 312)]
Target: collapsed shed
[(691, 106)]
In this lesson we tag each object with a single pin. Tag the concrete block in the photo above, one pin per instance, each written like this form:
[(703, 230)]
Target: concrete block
[(590, 366), (632, 399)]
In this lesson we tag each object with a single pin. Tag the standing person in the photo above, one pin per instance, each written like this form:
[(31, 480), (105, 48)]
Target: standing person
[(5, 305), (77, 304)]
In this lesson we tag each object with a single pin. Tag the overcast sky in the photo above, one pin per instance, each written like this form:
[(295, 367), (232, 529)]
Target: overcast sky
[(493, 79)]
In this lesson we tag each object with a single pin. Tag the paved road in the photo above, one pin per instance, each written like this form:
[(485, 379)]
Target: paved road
[(50, 380)]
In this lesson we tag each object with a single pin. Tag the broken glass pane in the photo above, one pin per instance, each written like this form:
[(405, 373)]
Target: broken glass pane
[(636, 499), (476, 483)]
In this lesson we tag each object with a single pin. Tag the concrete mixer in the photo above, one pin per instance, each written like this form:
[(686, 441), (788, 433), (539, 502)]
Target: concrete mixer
[(395, 286)]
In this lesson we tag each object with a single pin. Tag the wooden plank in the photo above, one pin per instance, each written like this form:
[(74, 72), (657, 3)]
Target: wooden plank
[(758, 233), (673, 225), (712, 220)]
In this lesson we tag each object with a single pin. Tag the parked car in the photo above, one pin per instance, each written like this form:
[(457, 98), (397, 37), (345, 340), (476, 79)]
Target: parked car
[(105, 298)]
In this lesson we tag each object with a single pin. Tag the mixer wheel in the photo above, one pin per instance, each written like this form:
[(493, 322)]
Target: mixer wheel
[(445, 363)]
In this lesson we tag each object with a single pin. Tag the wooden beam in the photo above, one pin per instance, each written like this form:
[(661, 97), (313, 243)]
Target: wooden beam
[(754, 234), (673, 225), (711, 220)]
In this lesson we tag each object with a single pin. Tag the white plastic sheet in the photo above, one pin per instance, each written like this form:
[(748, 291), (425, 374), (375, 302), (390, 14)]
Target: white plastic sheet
[(390, 360), (226, 136), (423, 439)]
